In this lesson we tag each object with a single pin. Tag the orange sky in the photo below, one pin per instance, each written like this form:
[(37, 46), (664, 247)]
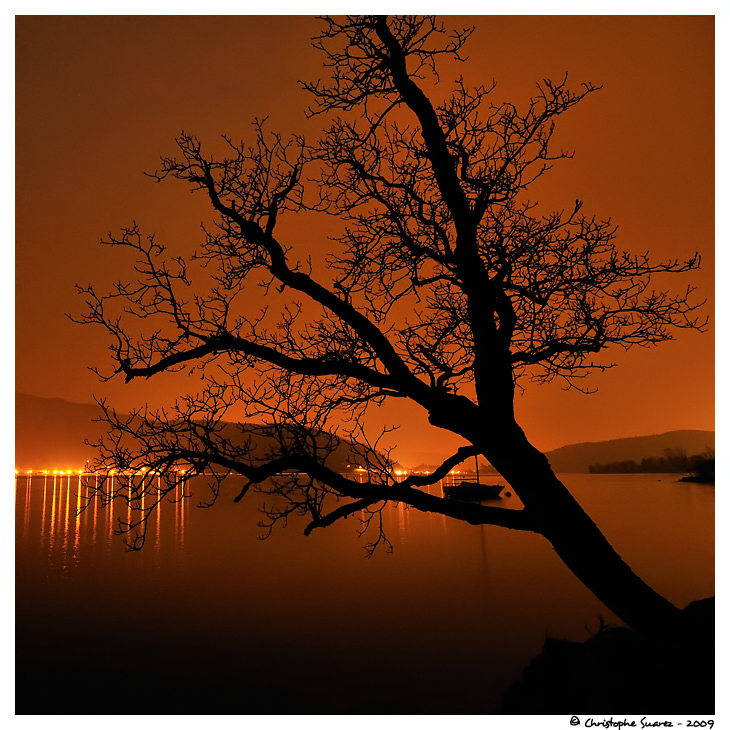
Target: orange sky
[(100, 98)]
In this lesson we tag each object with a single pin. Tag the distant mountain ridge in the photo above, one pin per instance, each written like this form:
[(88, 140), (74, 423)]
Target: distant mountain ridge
[(49, 432), (578, 457)]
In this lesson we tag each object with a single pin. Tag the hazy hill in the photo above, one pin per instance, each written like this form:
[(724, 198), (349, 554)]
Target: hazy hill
[(50, 433), (578, 457)]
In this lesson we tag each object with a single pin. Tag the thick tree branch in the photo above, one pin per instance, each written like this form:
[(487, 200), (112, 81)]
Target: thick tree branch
[(227, 343), (341, 512), (433, 136), (475, 514), (415, 480)]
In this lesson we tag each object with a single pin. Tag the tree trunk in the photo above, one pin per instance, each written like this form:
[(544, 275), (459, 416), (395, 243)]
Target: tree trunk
[(575, 537)]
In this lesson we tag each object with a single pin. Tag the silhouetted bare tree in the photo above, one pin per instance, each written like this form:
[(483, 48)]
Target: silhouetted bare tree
[(446, 287)]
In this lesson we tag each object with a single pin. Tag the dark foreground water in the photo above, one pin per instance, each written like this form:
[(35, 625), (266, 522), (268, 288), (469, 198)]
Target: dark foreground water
[(207, 619)]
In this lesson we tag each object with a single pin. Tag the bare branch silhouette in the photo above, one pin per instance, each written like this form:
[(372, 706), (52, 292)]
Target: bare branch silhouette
[(447, 287)]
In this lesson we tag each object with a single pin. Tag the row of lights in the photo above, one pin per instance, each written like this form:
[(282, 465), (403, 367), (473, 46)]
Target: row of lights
[(398, 472), (69, 472), (60, 472)]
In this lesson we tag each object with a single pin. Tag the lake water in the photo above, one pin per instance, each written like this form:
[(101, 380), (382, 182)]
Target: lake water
[(209, 619)]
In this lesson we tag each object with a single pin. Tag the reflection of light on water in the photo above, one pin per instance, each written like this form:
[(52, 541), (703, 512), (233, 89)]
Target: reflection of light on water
[(402, 521), (157, 530), (129, 503), (52, 529), (26, 515), (444, 528), (66, 520), (183, 511), (142, 514), (180, 514), (110, 507), (96, 508), (43, 513), (77, 536)]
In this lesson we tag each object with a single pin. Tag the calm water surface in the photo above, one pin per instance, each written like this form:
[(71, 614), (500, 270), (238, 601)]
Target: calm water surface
[(209, 619)]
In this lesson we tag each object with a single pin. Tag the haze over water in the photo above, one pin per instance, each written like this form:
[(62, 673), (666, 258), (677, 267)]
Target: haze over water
[(206, 618)]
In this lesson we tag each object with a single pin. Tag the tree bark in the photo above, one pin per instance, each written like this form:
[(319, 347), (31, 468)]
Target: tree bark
[(575, 537)]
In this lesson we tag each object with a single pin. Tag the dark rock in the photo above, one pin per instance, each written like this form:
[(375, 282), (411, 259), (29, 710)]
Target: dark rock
[(617, 670)]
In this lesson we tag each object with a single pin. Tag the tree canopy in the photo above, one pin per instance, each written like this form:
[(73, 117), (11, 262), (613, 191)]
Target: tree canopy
[(447, 285)]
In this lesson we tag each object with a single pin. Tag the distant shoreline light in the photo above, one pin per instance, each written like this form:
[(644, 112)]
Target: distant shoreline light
[(86, 472), (155, 472)]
